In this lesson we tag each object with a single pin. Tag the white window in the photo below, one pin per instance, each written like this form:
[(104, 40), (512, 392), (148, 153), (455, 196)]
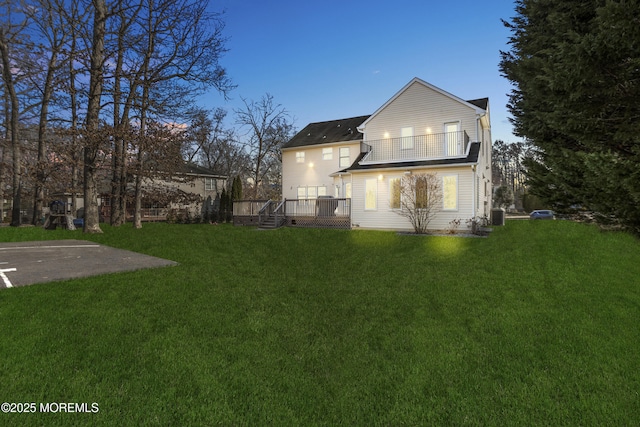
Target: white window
[(299, 156), (209, 184), (327, 154), (370, 194), (312, 192), (394, 193), (406, 134), (344, 157), (450, 192)]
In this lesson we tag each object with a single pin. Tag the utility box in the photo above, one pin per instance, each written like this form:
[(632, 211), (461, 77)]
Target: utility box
[(497, 216), (326, 206)]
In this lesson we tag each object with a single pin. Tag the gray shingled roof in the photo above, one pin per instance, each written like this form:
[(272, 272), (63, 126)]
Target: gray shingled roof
[(192, 168), (325, 132)]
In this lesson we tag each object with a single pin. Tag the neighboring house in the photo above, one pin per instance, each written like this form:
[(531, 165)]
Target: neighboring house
[(194, 192), (196, 181), (421, 129)]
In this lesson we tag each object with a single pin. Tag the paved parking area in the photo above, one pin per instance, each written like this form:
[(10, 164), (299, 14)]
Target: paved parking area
[(26, 263)]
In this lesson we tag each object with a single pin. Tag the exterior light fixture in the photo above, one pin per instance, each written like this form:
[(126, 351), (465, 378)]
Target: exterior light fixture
[(310, 164)]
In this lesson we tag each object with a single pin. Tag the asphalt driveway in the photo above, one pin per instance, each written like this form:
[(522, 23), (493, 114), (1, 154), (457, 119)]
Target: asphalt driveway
[(26, 263)]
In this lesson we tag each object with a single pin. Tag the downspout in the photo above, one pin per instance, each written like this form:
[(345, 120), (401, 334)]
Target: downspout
[(351, 201), (475, 189)]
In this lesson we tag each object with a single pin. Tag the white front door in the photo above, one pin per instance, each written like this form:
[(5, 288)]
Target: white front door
[(452, 140)]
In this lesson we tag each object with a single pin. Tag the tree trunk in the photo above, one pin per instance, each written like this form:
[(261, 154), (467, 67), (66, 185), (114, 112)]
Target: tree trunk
[(91, 213), (13, 125), (137, 217), (1, 184), (74, 152), (41, 174), (119, 151)]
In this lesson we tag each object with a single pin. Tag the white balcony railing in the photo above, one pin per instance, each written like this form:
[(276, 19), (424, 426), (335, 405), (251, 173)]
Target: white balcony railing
[(421, 147)]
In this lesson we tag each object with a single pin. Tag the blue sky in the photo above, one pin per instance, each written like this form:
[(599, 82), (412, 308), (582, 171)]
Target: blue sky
[(326, 60)]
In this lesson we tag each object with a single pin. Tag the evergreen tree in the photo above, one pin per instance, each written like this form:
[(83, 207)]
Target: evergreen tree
[(217, 212), (575, 66), (504, 196), (224, 205), (236, 189)]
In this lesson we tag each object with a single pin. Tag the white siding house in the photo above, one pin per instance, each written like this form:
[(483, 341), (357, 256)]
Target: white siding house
[(311, 157), (420, 129)]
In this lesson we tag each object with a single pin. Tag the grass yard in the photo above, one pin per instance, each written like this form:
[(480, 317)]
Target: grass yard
[(539, 324)]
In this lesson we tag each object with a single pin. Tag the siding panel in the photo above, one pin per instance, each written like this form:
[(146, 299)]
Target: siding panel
[(386, 218), (420, 107), (302, 174)]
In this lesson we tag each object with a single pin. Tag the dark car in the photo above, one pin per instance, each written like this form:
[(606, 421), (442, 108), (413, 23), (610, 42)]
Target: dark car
[(542, 214)]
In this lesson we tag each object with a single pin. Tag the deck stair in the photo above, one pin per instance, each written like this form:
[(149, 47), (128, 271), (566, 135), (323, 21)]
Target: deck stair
[(272, 215)]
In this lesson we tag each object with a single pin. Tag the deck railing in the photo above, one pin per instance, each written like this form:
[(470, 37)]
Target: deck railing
[(247, 212), (421, 147), (326, 212), (247, 207), (322, 207), (266, 211)]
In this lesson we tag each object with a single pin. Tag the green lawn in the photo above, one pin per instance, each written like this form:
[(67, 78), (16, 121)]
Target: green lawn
[(539, 324)]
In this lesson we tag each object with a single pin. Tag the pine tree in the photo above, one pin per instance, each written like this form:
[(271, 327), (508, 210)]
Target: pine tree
[(224, 205), (236, 189), (575, 66)]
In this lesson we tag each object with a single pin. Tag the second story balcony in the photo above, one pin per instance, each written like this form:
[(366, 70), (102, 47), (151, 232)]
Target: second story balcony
[(421, 147)]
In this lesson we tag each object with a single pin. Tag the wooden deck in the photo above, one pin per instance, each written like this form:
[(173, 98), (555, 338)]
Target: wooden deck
[(314, 213), (246, 212)]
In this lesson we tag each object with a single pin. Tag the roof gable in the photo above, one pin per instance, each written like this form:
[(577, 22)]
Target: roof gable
[(343, 130), (475, 104)]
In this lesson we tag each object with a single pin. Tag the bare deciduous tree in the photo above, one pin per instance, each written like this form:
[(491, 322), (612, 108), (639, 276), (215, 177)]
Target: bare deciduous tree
[(268, 128), (10, 35), (421, 198), (212, 145), (153, 57), (49, 18), (93, 137), (180, 54)]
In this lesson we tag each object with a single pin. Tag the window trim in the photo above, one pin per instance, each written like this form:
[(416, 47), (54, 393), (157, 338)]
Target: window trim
[(209, 184), (316, 191), (343, 157), (300, 156)]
